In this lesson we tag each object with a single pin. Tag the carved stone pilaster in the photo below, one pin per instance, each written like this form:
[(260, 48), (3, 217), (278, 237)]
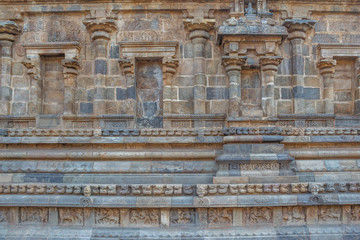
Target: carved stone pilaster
[(170, 66), (8, 32), (199, 34), (100, 29), (269, 67), (327, 69), (128, 66), (71, 67), (233, 69), (297, 29), (33, 70), (357, 90)]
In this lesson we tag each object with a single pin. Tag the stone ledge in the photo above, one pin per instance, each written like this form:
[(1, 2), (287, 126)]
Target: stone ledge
[(178, 201), (234, 233)]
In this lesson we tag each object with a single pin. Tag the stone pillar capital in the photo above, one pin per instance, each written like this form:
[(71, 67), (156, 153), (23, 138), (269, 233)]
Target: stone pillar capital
[(297, 28), (127, 65), (233, 63), (100, 28), (270, 63), (326, 66), (199, 24)]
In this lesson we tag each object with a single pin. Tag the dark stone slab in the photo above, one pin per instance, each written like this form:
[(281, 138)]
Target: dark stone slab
[(100, 67), (286, 93), (121, 94), (217, 93), (86, 108), (156, 122), (131, 92)]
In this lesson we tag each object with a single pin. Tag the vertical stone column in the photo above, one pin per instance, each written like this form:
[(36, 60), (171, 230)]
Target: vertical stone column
[(269, 67), (100, 30), (327, 70), (233, 70), (71, 67), (357, 90), (170, 93), (199, 34), (297, 34), (8, 32), (33, 70)]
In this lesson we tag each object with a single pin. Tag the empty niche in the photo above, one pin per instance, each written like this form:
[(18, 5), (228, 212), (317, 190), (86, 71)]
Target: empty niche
[(149, 93), (344, 87), (52, 73), (251, 92)]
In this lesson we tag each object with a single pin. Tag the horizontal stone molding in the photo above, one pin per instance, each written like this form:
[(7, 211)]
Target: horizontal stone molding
[(178, 201), (107, 155)]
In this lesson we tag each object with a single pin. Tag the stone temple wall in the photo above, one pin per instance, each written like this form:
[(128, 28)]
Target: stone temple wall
[(192, 119)]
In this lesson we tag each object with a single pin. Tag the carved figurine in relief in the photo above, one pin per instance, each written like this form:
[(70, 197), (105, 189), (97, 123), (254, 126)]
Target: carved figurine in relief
[(144, 216), (355, 213), (329, 213), (201, 190), (220, 216), (260, 215), (87, 191), (107, 216), (294, 214), (183, 216), (33, 215), (71, 216)]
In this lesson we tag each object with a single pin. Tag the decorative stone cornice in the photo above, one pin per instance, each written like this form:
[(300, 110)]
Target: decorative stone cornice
[(8, 30), (326, 66), (233, 62)]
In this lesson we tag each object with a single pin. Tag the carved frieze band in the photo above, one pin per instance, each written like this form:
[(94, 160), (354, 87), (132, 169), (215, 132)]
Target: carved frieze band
[(207, 217), (200, 190), (182, 132)]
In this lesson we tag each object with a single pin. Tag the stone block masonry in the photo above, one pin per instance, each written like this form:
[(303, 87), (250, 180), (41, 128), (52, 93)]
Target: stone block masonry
[(169, 119)]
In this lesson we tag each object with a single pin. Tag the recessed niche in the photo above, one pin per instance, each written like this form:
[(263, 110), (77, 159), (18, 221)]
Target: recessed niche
[(149, 93)]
